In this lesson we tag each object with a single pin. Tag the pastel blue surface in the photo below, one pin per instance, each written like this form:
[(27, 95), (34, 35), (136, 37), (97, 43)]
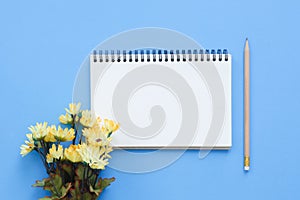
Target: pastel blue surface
[(43, 43)]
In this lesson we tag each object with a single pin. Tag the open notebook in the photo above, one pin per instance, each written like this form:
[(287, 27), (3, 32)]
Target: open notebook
[(164, 98)]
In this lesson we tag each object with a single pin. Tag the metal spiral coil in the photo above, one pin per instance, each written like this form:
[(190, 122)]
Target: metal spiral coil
[(154, 55)]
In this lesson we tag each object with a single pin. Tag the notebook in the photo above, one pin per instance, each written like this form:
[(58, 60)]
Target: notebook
[(173, 99)]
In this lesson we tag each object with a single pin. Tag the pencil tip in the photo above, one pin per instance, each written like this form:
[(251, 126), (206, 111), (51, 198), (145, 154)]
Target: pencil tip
[(246, 39)]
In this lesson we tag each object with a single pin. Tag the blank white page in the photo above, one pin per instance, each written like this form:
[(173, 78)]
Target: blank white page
[(162, 102)]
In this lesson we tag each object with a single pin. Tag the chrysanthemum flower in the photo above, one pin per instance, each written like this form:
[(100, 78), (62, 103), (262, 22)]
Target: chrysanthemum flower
[(39, 131), (55, 153), (73, 108), (28, 146), (72, 154), (87, 119), (50, 136), (96, 136), (63, 135), (94, 156), (66, 119), (110, 126)]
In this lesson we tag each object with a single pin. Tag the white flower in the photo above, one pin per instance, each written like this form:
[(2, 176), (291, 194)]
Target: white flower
[(96, 136), (39, 131), (87, 119), (66, 119), (96, 157), (28, 146), (73, 108)]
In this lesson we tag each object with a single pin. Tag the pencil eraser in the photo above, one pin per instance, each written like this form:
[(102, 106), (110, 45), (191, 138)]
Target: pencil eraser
[(246, 168)]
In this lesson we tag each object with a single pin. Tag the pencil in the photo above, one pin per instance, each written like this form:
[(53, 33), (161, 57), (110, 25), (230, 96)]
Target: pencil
[(246, 106)]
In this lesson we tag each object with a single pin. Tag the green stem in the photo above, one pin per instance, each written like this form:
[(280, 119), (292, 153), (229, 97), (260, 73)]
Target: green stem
[(75, 129), (80, 140), (43, 147), (109, 134), (97, 172), (83, 179), (61, 171), (92, 173), (73, 172), (43, 160), (89, 175)]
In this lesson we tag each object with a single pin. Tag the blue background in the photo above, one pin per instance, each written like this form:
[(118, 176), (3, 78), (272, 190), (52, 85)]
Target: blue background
[(43, 43)]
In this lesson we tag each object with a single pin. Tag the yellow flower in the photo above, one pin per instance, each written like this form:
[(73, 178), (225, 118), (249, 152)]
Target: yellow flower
[(63, 135), (88, 119), (54, 153), (66, 119), (72, 154), (50, 136), (28, 146), (96, 136), (39, 131), (49, 158), (96, 157), (110, 125), (73, 108)]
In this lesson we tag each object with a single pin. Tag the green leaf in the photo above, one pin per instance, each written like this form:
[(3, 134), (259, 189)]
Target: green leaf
[(45, 198), (77, 187), (57, 181), (54, 185), (65, 189), (87, 196), (96, 191), (103, 183), (106, 182), (76, 191), (79, 171), (40, 183), (49, 188), (67, 168), (73, 194)]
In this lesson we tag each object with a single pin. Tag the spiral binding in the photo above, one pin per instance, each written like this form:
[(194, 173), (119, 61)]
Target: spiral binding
[(160, 55)]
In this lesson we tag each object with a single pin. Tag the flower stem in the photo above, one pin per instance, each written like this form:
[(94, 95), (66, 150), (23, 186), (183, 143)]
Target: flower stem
[(75, 129), (97, 172), (43, 160), (83, 179)]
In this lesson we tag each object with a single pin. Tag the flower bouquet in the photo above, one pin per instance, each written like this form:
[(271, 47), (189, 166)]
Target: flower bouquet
[(73, 154)]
